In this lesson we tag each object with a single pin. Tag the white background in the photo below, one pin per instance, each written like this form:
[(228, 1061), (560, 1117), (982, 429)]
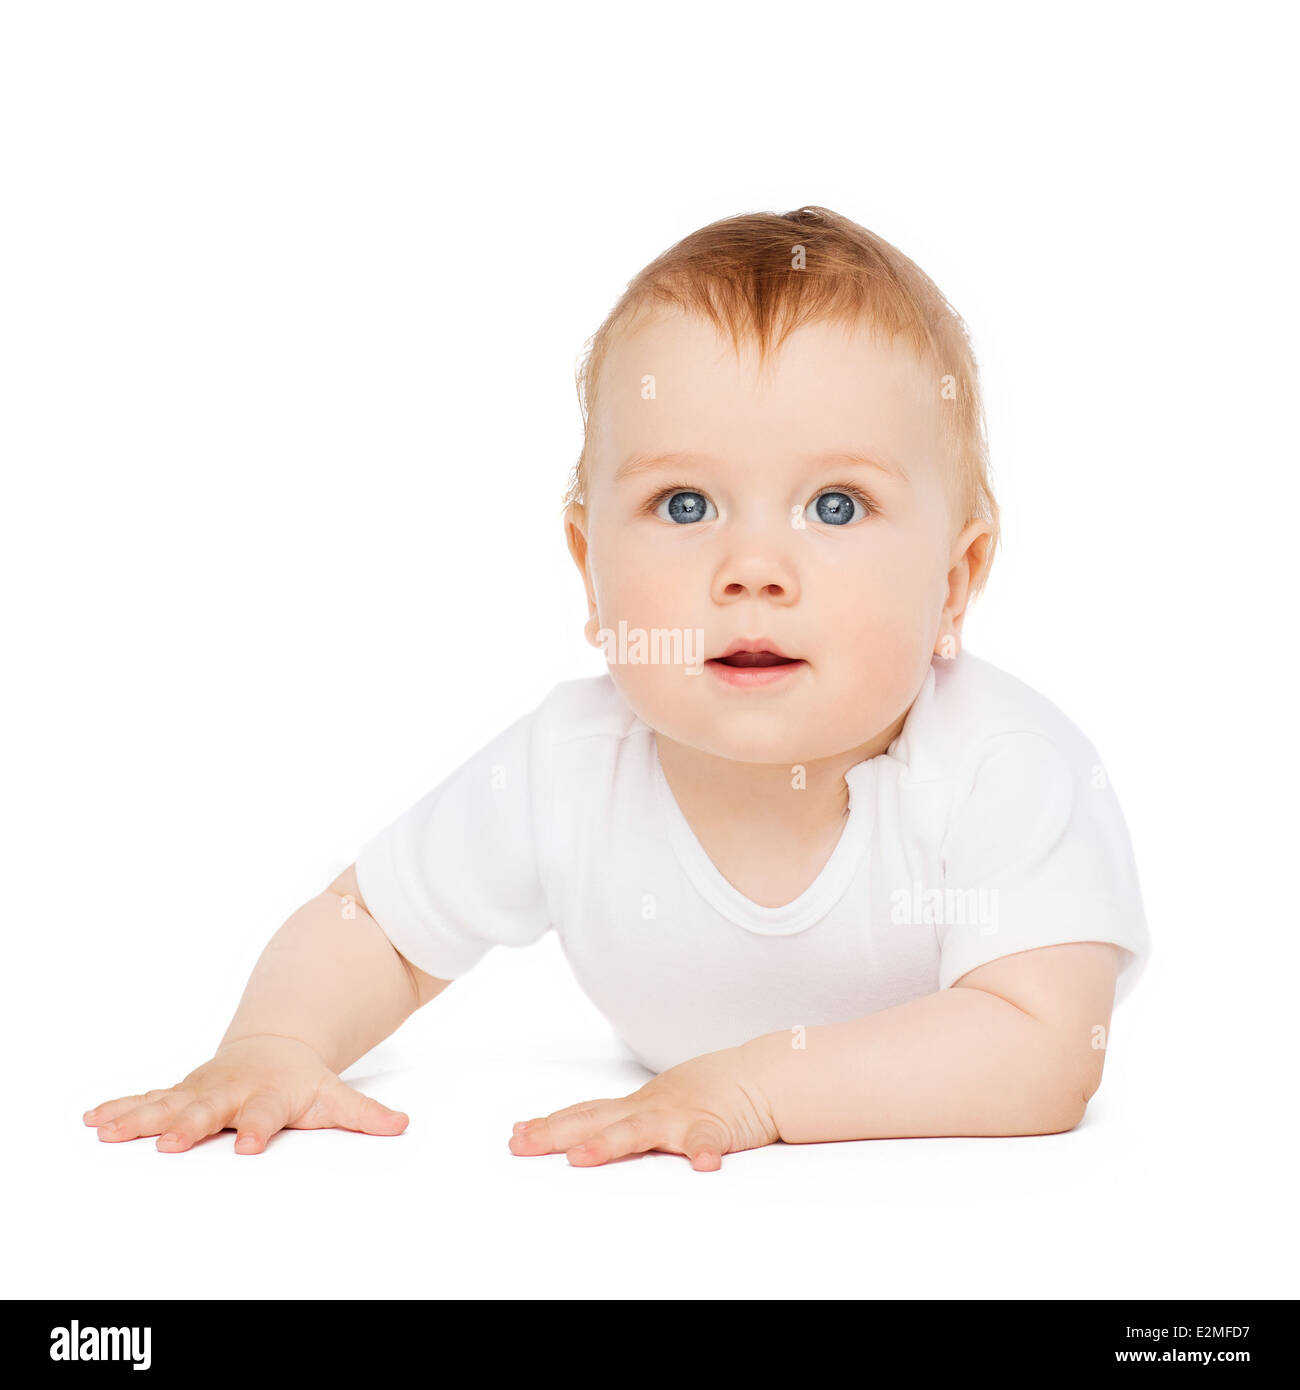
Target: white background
[(290, 302)]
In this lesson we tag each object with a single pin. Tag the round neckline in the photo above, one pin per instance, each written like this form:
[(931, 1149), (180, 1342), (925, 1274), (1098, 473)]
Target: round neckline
[(814, 902)]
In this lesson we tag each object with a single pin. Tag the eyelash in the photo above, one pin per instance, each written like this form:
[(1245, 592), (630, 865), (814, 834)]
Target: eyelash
[(860, 497), (856, 493), (664, 493)]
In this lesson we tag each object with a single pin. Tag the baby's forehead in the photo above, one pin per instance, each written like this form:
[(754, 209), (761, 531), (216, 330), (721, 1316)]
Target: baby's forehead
[(675, 381)]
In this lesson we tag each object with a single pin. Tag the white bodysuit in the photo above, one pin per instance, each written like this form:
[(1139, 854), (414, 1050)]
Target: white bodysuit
[(988, 827)]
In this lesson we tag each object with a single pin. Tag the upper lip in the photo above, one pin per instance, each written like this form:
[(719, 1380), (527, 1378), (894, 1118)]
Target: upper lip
[(754, 644)]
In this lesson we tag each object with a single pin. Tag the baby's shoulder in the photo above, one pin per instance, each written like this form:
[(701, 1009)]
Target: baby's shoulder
[(968, 707), (585, 708)]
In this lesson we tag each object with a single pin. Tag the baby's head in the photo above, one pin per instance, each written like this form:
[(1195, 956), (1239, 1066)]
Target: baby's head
[(784, 448)]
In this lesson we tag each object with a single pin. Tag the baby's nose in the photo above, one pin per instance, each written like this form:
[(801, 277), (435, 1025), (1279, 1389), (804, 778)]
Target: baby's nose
[(755, 576)]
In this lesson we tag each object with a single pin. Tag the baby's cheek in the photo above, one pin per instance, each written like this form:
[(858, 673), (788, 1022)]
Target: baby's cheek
[(885, 662), (655, 693), (648, 597)]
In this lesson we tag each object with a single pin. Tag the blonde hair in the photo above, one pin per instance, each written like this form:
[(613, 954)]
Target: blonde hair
[(740, 273)]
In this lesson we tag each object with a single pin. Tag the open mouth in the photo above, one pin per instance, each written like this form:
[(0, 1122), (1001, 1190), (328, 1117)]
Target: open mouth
[(745, 660), (754, 667)]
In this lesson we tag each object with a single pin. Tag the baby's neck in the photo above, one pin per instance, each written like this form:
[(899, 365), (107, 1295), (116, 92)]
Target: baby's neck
[(799, 804)]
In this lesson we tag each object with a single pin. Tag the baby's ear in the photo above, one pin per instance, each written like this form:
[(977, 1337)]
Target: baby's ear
[(969, 554), (575, 534), (977, 551)]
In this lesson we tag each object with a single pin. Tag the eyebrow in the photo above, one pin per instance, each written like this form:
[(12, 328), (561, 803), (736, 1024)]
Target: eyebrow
[(636, 464)]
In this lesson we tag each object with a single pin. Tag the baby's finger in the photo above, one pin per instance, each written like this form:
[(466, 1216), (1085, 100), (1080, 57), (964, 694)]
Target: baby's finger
[(150, 1118), (210, 1113), (565, 1128), (704, 1145), (108, 1110), (260, 1116), (347, 1108), (582, 1109), (636, 1134)]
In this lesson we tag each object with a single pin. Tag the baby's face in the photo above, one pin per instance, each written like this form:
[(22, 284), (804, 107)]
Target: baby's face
[(760, 530)]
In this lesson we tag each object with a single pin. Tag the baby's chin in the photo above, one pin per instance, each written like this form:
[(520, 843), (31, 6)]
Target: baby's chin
[(771, 735), (788, 749), (798, 724)]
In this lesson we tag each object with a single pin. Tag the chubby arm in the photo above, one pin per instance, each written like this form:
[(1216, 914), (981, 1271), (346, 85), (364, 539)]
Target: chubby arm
[(331, 978), (1011, 1048), (326, 989)]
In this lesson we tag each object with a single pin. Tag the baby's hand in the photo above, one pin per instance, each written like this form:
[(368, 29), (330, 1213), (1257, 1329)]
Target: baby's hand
[(256, 1086), (703, 1108)]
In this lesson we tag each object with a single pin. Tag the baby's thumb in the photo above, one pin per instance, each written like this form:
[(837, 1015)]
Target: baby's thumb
[(352, 1110), (704, 1145)]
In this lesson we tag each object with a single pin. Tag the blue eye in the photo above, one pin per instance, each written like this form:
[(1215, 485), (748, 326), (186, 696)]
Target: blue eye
[(686, 507), (837, 508)]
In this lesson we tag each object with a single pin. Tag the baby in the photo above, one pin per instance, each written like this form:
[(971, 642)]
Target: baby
[(826, 873)]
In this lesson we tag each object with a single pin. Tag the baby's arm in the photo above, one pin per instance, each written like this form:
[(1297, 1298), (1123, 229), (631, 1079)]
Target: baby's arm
[(331, 978), (327, 988), (1014, 1047)]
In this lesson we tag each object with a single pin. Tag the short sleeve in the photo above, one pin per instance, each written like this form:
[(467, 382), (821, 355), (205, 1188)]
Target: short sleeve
[(1037, 853), (460, 871)]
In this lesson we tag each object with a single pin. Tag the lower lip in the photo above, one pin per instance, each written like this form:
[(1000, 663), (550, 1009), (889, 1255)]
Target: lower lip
[(751, 677)]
